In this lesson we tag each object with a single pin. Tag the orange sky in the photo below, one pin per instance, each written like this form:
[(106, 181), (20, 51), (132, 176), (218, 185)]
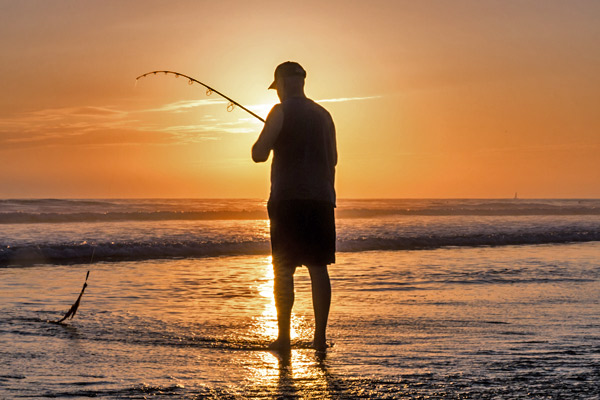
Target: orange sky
[(430, 99)]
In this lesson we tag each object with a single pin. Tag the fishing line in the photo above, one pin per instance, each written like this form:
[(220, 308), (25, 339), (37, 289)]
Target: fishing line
[(209, 90)]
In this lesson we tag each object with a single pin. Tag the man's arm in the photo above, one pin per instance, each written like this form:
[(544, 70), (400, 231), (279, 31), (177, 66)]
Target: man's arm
[(264, 144)]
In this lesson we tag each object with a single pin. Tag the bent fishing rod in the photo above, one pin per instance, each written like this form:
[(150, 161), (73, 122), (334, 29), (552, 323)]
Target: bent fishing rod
[(209, 90)]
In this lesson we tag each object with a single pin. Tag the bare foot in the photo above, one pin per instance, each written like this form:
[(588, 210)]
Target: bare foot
[(282, 345)]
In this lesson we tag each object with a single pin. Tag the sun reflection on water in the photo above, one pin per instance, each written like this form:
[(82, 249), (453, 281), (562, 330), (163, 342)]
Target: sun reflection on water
[(268, 320), (290, 375)]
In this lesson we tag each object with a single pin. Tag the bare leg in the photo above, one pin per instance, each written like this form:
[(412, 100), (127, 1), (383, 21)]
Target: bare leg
[(321, 296), (284, 301)]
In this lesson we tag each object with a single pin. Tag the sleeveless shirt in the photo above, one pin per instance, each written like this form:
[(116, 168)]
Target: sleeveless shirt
[(304, 154)]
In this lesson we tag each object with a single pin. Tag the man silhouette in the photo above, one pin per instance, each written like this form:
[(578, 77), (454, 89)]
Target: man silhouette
[(301, 135)]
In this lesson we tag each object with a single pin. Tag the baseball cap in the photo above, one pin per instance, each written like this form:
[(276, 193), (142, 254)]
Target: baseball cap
[(286, 69)]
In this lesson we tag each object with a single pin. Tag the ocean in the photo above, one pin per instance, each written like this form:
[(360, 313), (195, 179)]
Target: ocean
[(432, 298)]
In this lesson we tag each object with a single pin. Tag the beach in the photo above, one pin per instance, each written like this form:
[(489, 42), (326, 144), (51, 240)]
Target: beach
[(440, 299)]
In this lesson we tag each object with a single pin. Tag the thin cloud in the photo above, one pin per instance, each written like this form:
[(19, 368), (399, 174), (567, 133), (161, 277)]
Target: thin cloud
[(205, 131), (264, 108), (344, 99), (185, 105), (57, 125), (53, 114)]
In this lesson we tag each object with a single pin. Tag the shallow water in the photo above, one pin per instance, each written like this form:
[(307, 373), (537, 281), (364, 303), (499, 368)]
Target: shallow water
[(486, 322)]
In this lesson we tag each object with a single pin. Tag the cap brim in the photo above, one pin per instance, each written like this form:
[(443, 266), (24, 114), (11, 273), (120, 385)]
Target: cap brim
[(273, 85)]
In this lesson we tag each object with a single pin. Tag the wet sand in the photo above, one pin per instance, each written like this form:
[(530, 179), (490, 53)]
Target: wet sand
[(505, 322)]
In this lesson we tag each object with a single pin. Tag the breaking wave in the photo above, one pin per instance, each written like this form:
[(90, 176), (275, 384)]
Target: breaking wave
[(69, 253)]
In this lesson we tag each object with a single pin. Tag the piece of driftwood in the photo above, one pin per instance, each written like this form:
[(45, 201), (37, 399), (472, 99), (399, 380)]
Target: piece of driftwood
[(71, 313)]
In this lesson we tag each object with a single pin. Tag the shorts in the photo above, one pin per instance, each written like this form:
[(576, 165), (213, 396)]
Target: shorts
[(302, 232)]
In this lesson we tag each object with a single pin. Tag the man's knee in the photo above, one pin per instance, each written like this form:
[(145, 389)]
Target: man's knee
[(319, 277), (318, 270)]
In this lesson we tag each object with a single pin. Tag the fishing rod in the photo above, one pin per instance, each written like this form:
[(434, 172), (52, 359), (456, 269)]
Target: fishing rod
[(209, 90)]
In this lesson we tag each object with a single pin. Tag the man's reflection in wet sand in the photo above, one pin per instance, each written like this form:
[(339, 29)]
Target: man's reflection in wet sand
[(285, 383), (307, 373)]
